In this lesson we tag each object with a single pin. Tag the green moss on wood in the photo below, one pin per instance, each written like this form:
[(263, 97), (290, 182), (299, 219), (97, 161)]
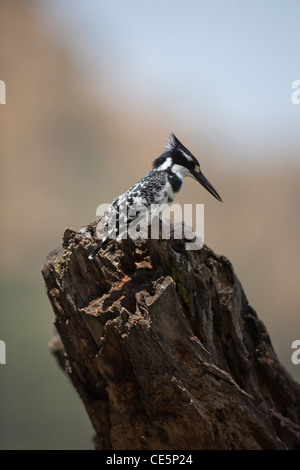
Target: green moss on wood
[(179, 286)]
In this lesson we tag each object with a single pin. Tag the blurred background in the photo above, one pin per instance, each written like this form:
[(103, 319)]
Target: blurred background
[(93, 90)]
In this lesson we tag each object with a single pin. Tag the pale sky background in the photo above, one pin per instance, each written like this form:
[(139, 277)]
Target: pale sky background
[(218, 73), (225, 67)]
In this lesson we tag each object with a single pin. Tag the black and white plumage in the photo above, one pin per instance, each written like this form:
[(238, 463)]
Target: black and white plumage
[(157, 188)]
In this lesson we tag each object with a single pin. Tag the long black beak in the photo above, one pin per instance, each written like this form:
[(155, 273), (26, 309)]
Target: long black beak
[(206, 184)]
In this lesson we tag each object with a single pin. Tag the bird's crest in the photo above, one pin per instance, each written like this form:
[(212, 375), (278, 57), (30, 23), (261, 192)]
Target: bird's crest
[(172, 145), (173, 142)]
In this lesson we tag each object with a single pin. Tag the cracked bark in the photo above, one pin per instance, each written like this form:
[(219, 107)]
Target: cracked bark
[(165, 350)]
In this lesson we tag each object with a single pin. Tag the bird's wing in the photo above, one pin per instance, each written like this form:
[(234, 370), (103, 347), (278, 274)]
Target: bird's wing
[(132, 205), (151, 187), (146, 192)]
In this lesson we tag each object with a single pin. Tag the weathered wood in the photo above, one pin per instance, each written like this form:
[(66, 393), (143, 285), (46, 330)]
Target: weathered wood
[(165, 350)]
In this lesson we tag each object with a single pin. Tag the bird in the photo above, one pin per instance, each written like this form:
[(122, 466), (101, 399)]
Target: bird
[(157, 189)]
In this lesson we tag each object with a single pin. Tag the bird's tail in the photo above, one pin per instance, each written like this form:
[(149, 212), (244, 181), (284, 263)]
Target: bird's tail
[(95, 251), (102, 243)]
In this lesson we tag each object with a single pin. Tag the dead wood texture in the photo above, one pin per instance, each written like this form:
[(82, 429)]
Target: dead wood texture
[(165, 350)]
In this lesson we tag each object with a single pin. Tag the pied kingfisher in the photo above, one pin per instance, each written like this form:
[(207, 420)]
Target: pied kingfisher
[(157, 188)]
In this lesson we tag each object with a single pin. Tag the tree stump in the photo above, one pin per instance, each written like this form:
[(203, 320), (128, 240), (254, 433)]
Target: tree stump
[(165, 350)]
